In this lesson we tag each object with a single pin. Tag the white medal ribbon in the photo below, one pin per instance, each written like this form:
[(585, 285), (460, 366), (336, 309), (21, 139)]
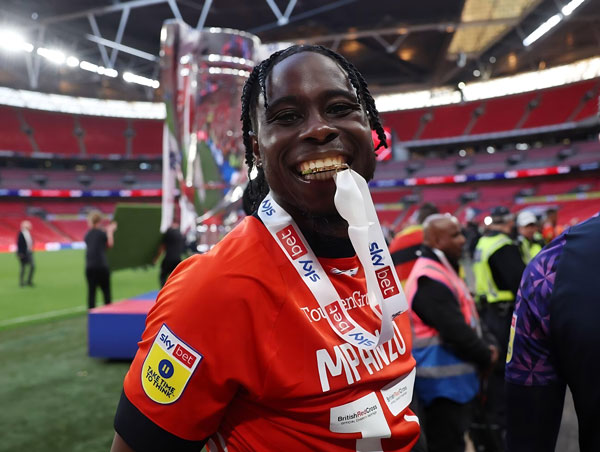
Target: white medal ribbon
[(354, 204)]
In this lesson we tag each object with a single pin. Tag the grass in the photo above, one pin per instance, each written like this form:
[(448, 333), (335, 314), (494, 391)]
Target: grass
[(54, 397), (60, 287)]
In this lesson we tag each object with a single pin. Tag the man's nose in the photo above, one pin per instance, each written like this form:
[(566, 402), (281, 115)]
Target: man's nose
[(318, 129)]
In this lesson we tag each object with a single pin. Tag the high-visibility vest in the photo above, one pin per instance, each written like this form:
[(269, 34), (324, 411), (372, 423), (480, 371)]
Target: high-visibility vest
[(528, 249), (484, 280), (440, 373)]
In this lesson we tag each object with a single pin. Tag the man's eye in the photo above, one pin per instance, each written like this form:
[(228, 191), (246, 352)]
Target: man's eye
[(285, 117), (340, 109)]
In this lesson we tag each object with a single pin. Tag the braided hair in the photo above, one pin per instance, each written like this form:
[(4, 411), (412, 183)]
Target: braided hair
[(255, 85)]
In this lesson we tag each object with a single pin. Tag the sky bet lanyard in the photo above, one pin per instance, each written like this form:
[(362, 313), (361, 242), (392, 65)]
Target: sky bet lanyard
[(354, 204)]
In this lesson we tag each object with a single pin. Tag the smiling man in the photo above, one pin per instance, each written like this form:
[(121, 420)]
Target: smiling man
[(269, 342)]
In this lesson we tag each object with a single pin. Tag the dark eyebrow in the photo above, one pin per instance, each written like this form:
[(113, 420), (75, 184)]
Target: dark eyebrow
[(273, 104)]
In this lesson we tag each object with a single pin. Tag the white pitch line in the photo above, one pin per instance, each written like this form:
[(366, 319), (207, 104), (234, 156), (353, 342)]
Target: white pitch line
[(43, 315)]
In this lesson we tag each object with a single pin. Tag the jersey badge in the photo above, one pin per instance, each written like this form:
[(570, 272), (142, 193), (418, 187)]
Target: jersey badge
[(511, 339), (168, 367)]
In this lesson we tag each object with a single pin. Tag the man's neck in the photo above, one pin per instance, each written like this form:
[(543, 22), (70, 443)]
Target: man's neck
[(328, 237), (430, 254)]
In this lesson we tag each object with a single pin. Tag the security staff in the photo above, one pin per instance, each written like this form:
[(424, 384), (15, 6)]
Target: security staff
[(529, 244), (448, 345), (498, 268)]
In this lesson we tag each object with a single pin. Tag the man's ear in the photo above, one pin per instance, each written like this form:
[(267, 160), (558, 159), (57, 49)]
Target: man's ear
[(255, 149)]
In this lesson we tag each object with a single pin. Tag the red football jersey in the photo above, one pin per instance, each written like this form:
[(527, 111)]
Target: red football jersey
[(238, 350)]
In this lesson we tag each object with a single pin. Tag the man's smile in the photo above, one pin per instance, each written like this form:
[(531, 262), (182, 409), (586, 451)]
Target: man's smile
[(321, 169)]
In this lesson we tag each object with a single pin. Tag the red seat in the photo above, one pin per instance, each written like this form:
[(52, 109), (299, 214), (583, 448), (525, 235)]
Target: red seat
[(12, 137)]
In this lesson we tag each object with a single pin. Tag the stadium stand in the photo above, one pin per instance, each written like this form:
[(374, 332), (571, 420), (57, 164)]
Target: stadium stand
[(53, 132), (449, 121), (104, 136), (405, 123), (100, 139), (503, 113), (12, 137), (572, 102), (147, 140), (556, 105)]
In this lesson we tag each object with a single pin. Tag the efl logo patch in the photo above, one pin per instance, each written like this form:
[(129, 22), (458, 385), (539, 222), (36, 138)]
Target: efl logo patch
[(168, 367)]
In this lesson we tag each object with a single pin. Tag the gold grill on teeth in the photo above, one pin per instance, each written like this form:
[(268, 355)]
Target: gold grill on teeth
[(322, 169)]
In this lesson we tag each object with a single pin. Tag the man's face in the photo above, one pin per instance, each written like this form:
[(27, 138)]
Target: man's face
[(528, 231), (450, 238), (313, 121)]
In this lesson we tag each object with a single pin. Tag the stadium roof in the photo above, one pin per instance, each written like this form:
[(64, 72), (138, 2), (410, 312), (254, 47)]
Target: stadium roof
[(398, 45)]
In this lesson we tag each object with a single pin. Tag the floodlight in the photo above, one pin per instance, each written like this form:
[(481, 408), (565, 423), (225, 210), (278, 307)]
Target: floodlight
[(12, 41), (52, 55), (133, 78), (87, 66), (542, 29), (72, 61), (571, 6)]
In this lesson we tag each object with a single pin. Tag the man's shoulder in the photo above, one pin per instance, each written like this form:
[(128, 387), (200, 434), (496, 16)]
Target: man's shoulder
[(538, 279), (247, 249)]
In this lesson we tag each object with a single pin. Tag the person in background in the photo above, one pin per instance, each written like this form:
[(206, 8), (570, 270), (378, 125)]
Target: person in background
[(529, 244), (405, 247), (173, 246), (25, 254), (238, 352), (472, 233), (97, 272), (551, 229), (555, 342), (448, 343), (498, 268)]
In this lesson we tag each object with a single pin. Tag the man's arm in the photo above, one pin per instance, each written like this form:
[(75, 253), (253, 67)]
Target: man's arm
[(438, 308), (136, 432), (544, 405), (507, 268), (119, 445), (110, 230)]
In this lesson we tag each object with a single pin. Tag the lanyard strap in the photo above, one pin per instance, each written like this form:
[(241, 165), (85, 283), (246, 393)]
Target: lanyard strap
[(386, 298)]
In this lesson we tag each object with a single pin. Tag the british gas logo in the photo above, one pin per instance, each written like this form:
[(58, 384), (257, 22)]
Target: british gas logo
[(291, 242), (168, 367)]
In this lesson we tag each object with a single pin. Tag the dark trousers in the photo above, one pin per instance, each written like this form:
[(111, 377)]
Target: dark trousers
[(166, 268), (98, 277), (27, 265), (497, 318), (445, 425)]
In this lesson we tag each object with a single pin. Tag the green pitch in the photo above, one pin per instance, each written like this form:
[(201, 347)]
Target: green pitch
[(55, 397), (60, 288)]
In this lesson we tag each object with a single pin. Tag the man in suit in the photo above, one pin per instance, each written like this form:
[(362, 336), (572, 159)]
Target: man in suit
[(25, 254)]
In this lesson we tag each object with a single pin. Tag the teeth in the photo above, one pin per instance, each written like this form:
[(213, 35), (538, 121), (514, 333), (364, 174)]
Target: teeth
[(318, 166)]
